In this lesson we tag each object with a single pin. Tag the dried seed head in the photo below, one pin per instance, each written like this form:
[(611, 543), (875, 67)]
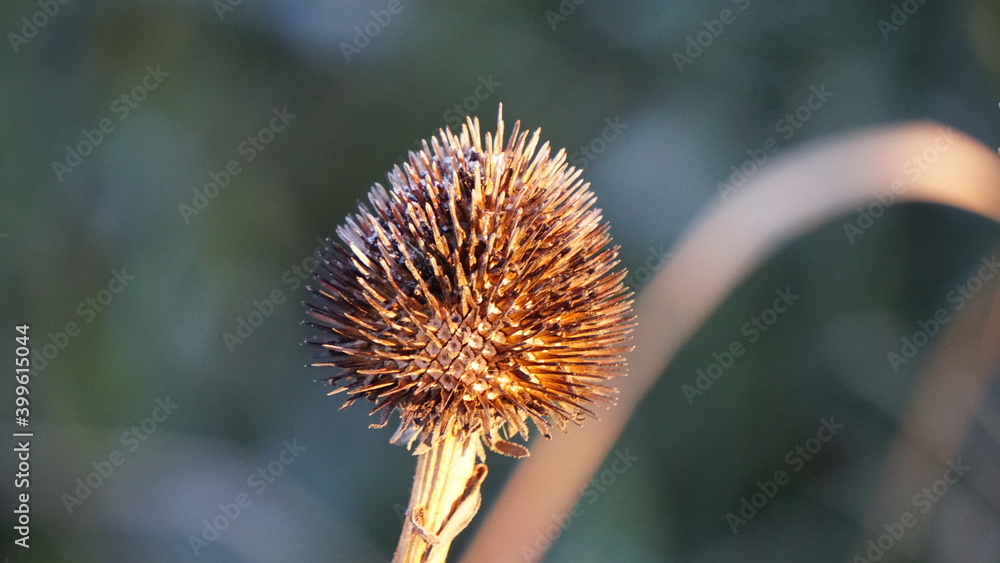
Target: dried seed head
[(479, 292)]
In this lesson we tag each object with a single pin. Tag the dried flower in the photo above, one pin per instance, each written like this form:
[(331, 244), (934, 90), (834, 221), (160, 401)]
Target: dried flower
[(478, 292)]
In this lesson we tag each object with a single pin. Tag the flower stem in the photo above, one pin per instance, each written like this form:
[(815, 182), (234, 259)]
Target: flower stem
[(444, 499)]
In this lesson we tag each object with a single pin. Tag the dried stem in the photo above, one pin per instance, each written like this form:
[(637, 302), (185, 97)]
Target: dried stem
[(444, 499)]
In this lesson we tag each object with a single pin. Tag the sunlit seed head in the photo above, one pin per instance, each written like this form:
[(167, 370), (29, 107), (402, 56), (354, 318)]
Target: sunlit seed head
[(485, 260)]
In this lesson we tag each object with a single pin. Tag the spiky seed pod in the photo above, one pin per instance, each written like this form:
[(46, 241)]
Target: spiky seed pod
[(479, 292)]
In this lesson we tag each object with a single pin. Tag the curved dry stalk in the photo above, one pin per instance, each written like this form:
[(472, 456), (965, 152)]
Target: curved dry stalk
[(729, 240)]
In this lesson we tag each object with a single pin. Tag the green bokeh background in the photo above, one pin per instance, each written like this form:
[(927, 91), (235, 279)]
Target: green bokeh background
[(196, 276)]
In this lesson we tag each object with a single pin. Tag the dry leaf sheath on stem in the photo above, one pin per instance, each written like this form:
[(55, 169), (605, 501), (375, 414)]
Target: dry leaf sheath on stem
[(478, 292)]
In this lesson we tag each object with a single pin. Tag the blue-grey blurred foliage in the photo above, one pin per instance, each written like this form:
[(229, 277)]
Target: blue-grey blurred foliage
[(221, 77)]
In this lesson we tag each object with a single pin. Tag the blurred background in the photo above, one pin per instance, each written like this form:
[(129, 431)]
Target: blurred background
[(167, 167)]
